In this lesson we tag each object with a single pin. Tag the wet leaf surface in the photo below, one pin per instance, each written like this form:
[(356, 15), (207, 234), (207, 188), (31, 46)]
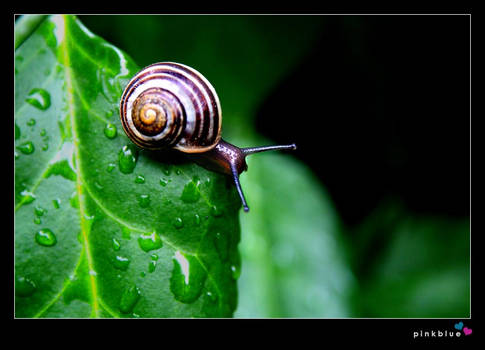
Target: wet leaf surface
[(100, 225)]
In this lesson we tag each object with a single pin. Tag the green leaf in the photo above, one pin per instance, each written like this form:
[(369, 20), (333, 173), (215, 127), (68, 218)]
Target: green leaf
[(101, 226), (294, 260), (413, 266)]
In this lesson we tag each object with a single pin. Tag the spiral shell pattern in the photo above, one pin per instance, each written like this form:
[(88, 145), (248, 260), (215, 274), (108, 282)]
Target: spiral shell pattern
[(169, 104)]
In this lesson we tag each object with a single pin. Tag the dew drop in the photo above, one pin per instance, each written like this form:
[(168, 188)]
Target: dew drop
[(31, 122), (188, 278), (154, 257), (43, 132), (197, 219), (110, 167), (129, 298), (178, 223), (39, 98), (236, 272), (116, 244), (152, 265), (191, 192), (150, 242), (39, 211), (57, 203), (178, 171), (163, 182), (17, 132), (144, 200), (74, 200), (110, 131), (62, 168), (127, 159), (37, 220), (140, 179), (26, 147), (222, 245), (27, 197), (24, 287), (121, 263), (215, 211), (212, 296), (45, 237), (166, 169)]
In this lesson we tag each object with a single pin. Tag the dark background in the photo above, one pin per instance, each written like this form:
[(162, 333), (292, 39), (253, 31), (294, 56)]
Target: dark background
[(380, 108)]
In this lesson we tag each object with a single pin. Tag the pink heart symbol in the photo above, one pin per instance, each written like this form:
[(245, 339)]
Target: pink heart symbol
[(467, 331)]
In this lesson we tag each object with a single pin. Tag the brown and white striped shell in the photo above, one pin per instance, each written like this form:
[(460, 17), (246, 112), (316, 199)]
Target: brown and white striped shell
[(170, 105)]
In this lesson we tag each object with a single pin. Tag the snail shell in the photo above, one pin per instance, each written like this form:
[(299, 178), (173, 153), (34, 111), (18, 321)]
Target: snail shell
[(169, 104)]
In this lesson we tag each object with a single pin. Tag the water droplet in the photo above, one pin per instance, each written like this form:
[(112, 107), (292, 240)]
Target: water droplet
[(166, 168), (45, 147), (27, 197), (31, 122), (129, 298), (178, 223), (150, 242), (45, 237), (142, 274), (43, 132), (109, 113), (39, 211), (140, 179), (116, 244), (154, 257), (26, 147), (98, 185), (74, 200), (37, 220), (215, 211), (17, 132), (236, 272), (127, 159), (24, 287), (39, 98), (144, 200), (110, 167), (178, 171), (109, 85), (57, 203), (62, 168), (163, 182), (191, 192), (152, 265), (188, 278), (110, 131), (212, 296), (121, 262), (222, 245), (197, 219)]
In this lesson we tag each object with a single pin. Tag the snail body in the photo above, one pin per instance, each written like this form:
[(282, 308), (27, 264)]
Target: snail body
[(170, 105)]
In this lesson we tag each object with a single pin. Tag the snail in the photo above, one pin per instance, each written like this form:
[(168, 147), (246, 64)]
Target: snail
[(170, 105)]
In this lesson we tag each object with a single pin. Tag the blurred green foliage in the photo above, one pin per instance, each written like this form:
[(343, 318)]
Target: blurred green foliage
[(298, 259)]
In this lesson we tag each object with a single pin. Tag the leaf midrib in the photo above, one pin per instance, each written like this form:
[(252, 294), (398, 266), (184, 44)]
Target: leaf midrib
[(82, 187)]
